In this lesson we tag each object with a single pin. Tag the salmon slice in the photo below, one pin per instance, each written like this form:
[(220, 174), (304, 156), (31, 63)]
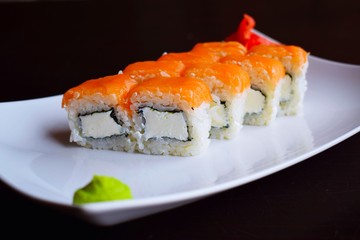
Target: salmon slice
[(189, 57), (184, 91), (294, 58), (271, 71), (116, 86), (150, 69), (220, 49), (225, 80)]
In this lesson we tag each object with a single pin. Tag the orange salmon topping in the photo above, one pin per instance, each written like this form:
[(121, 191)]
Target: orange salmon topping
[(119, 85), (149, 69), (220, 49), (271, 70), (191, 90), (296, 56), (229, 77), (188, 57)]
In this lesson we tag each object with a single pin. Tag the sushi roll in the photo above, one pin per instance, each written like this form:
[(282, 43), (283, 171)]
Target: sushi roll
[(266, 77), (149, 69), (295, 61), (220, 49), (229, 85), (171, 116), (98, 116)]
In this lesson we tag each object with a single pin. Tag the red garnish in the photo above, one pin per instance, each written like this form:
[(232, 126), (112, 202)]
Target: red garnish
[(245, 36)]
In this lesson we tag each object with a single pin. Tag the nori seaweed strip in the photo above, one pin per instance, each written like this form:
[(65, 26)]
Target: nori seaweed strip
[(170, 111), (125, 134), (227, 125), (291, 77), (257, 89)]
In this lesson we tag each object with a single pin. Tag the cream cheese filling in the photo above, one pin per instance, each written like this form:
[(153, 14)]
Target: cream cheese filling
[(255, 101), (218, 115), (100, 125), (164, 124)]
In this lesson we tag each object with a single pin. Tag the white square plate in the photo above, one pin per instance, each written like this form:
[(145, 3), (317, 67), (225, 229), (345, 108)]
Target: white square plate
[(38, 160)]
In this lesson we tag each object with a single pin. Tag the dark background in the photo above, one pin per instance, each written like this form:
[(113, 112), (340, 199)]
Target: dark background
[(47, 47)]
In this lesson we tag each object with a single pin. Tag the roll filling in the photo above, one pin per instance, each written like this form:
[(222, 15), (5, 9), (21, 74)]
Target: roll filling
[(160, 124)]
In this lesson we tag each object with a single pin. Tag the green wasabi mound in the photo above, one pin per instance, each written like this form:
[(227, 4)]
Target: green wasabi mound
[(100, 189)]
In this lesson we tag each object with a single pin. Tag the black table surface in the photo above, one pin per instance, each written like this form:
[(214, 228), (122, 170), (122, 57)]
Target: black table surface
[(47, 47)]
